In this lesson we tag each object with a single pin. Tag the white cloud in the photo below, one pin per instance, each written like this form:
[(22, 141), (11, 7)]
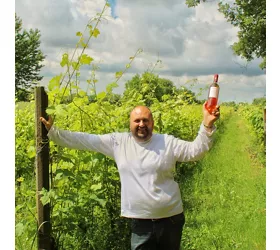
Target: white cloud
[(191, 42)]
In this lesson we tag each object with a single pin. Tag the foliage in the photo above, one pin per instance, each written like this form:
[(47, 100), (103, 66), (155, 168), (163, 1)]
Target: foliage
[(229, 104), (25, 209), (193, 3), (25, 182), (28, 58), (250, 18), (254, 114), (260, 101), (25, 140), (153, 89)]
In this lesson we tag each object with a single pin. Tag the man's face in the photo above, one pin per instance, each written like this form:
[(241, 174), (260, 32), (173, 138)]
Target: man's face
[(141, 123)]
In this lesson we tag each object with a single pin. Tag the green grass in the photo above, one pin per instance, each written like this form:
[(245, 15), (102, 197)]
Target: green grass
[(225, 196)]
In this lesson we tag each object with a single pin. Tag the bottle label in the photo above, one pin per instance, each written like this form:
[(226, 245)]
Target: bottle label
[(214, 92)]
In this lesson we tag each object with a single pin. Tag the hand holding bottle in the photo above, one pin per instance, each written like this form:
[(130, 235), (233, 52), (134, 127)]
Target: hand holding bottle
[(210, 118)]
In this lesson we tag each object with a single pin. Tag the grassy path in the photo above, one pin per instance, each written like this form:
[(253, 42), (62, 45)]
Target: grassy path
[(225, 198)]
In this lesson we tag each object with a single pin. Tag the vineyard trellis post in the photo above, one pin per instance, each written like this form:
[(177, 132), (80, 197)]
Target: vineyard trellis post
[(42, 170)]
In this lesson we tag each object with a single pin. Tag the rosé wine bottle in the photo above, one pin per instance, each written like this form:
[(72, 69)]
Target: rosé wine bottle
[(213, 95)]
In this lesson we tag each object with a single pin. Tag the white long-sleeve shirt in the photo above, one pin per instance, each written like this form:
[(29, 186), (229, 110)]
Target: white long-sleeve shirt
[(148, 189)]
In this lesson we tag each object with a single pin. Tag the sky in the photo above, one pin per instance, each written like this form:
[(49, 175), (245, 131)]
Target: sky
[(192, 43)]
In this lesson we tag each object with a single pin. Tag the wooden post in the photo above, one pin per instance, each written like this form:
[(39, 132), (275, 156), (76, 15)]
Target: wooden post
[(42, 170)]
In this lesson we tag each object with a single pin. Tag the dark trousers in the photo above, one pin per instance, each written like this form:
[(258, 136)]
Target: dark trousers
[(157, 234)]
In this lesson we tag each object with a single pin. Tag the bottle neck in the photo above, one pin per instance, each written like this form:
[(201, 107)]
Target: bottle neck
[(216, 77)]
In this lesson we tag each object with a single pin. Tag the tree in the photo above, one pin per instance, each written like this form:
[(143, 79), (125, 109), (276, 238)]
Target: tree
[(152, 88), (250, 18), (259, 101), (28, 58)]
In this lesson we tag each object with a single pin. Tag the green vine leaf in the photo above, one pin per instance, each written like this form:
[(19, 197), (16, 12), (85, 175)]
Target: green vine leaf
[(54, 82), (75, 65), (61, 109), (85, 59), (111, 86), (19, 229), (101, 95), (95, 32), (46, 196), (64, 60), (119, 74), (50, 110), (96, 187)]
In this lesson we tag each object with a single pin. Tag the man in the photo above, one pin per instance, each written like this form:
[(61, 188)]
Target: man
[(145, 160)]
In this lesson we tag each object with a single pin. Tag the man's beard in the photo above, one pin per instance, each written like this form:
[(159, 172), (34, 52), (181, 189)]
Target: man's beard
[(142, 133)]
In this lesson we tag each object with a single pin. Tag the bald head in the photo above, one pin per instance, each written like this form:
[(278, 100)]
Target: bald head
[(141, 123), (142, 110)]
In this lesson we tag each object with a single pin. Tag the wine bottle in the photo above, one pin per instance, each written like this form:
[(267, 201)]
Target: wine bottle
[(213, 95)]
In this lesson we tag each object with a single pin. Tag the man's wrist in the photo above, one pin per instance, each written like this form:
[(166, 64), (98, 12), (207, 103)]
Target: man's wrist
[(207, 126)]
